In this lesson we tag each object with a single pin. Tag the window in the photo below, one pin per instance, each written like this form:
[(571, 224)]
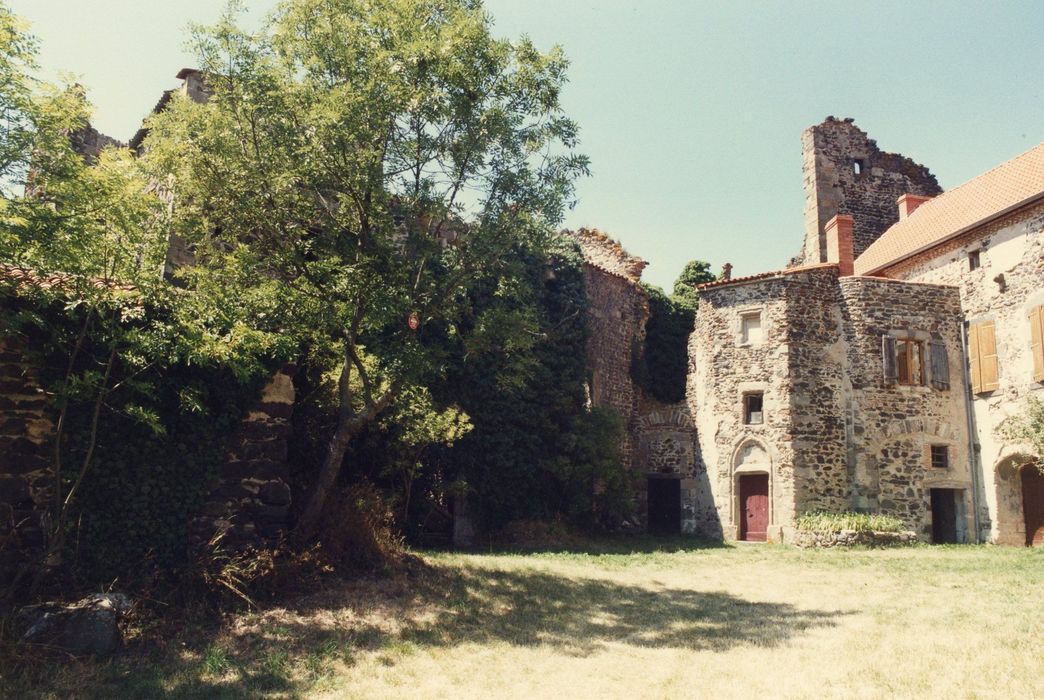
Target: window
[(909, 361), (1036, 317), (982, 357), (857, 167), (750, 329), (940, 457), (752, 409), (973, 260)]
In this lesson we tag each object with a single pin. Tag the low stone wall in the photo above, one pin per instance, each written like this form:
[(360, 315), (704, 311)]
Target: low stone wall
[(848, 538)]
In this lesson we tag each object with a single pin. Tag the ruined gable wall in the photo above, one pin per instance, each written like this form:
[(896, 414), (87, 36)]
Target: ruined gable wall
[(891, 426), (1013, 247), (829, 151)]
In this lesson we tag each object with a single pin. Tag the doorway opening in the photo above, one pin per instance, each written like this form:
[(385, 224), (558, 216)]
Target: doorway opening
[(1033, 505), (754, 507), (947, 516), (664, 506)]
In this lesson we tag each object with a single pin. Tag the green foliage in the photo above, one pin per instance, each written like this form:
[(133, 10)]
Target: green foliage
[(663, 366), (694, 273), (1027, 429), (823, 521), (535, 451), (158, 443), (359, 164)]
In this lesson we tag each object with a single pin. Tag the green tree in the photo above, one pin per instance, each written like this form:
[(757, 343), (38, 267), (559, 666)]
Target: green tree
[(356, 166), (1027, 429), (694, 273)]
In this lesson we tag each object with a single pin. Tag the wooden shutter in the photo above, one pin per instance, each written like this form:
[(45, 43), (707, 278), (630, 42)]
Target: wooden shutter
[(939, 364), (1036, 317), (982, 347), (888, 358), (973, 358)]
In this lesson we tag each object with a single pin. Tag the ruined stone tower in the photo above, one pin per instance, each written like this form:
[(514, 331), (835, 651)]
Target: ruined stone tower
[(846, 173)]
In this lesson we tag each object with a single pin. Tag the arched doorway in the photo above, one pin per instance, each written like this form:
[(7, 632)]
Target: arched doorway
[(752, 467), (1033, 504)]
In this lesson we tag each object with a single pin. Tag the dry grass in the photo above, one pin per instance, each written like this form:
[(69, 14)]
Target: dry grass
[(660, 621)]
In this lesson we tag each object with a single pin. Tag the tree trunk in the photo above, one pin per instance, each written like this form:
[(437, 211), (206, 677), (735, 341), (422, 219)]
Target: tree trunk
[(348, 425)]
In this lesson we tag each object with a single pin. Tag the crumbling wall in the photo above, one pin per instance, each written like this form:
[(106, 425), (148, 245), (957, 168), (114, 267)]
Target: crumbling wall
[(846, 173), (616, 314)]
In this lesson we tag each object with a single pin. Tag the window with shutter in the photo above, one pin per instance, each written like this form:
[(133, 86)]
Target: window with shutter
[(888, 359), (982, 354), (1036, 317), (939, 365)]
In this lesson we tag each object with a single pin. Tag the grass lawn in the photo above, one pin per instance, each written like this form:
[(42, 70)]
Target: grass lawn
[(630, 619)]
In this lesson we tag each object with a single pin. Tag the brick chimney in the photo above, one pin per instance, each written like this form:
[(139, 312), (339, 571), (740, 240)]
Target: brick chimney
[(839, 243), (909, 202)]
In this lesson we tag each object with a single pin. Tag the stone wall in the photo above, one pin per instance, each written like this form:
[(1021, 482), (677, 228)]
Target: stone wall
[(890, 426), (723, 369), (250, 497), (830, 152), (616, 314), (851, 538), (26, 475), (835, 434), (667, 448), (1008, 283)]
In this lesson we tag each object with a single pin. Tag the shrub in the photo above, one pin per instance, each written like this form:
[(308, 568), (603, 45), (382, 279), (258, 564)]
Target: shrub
[(822, 521)]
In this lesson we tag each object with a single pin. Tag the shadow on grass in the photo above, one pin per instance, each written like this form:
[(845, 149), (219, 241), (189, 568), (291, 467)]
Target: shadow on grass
[(442, 607), (621, 544)]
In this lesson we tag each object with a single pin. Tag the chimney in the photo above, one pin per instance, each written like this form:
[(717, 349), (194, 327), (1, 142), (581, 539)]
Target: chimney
[(839, 243), (193, 85), (909, 202), (726, 272)]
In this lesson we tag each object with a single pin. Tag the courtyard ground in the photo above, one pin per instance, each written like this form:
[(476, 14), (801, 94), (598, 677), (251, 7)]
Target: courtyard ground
[(626, 619)]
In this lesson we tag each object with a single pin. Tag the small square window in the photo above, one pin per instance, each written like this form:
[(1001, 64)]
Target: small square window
[(752, 409), (973, 260), (750, 329), (940, 457)]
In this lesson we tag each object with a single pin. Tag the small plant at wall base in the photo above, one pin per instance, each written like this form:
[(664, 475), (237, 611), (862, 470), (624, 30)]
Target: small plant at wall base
[(1027, 428), (822, 521)]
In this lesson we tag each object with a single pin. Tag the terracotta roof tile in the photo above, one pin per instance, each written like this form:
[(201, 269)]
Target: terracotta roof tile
[(995, 192)]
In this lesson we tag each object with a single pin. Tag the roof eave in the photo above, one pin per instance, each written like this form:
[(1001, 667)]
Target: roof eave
[(959, 232)]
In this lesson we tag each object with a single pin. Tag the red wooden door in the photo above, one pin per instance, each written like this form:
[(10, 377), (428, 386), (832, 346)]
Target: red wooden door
[(754, 507), (1033, 505)]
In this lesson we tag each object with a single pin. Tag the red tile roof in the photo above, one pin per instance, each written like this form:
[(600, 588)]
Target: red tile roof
[(764, 275), (990, 195)]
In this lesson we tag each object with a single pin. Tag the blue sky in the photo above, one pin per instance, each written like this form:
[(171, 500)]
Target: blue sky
[(690, 111)]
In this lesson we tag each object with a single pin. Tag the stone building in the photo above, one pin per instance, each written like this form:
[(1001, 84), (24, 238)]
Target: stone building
[(870, 375)]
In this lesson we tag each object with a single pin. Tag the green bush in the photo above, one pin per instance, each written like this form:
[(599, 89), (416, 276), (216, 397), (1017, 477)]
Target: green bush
[(822, 521)]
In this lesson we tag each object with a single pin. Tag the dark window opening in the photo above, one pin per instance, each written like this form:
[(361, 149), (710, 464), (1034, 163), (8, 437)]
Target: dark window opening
[(973, 260), (940, 457), (909, 361), (752, 409)]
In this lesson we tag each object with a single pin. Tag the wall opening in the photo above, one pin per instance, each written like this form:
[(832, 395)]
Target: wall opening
[(1033, 504), (753, 404), (664, 506), (947, 516)]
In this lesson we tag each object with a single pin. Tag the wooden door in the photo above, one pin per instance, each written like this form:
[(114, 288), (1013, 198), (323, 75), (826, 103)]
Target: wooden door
[(1033, 505), (754, 507), (664, 506)]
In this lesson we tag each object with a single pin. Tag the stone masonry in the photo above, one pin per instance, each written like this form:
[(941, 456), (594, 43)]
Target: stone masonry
[(846, 173)]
